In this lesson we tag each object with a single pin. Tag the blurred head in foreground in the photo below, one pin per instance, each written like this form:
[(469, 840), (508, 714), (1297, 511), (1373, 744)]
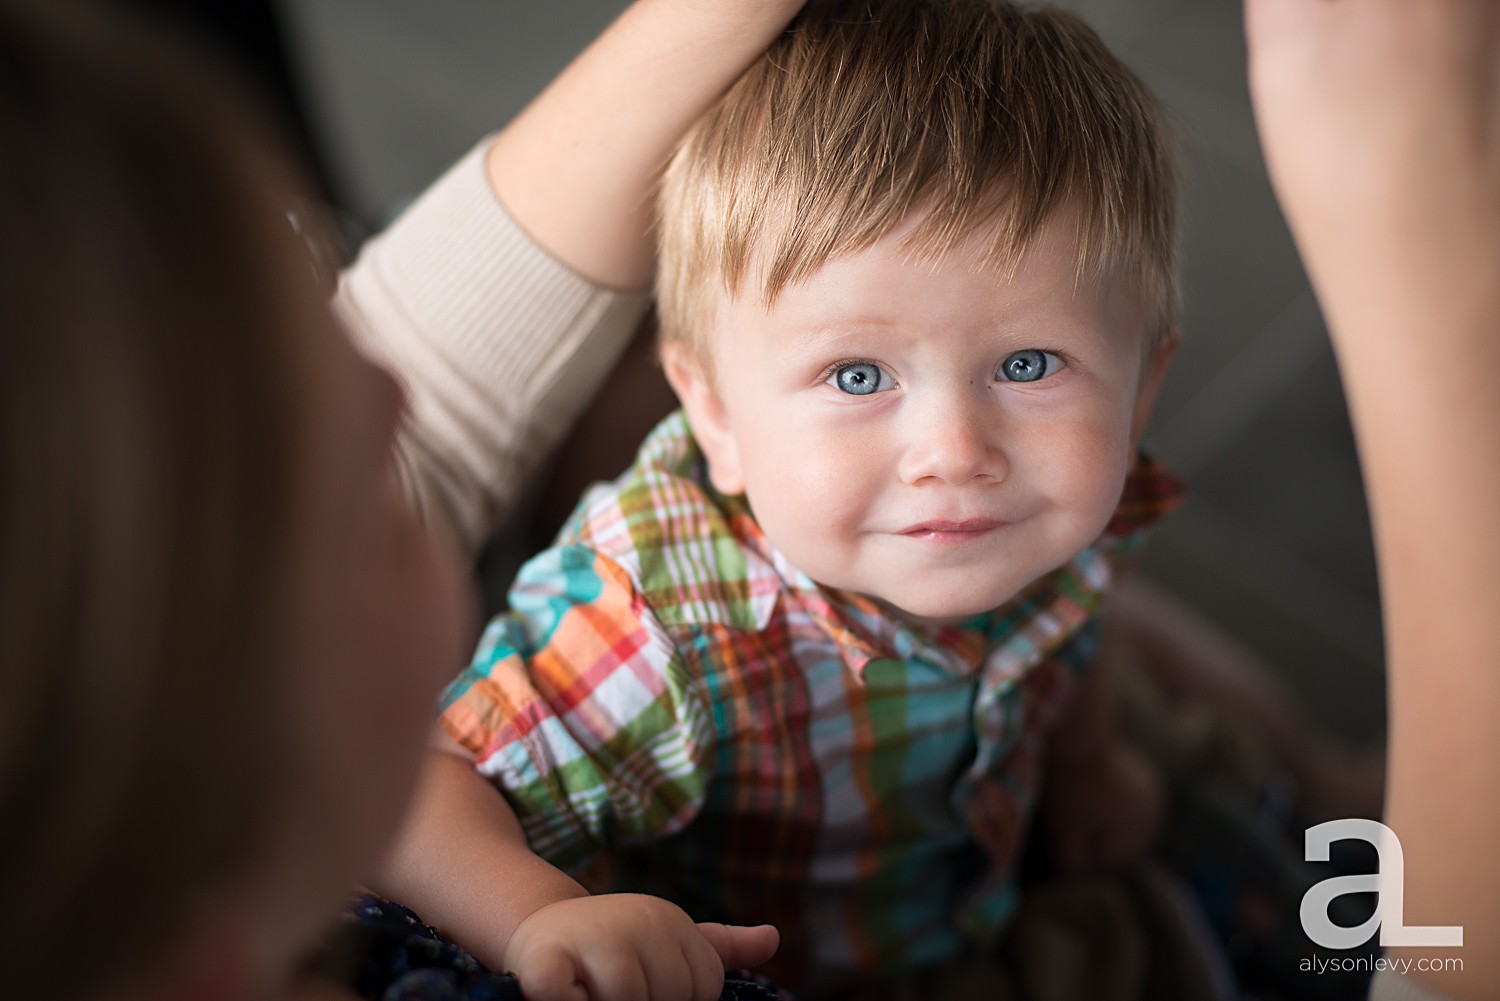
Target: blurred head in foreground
[(219, 622)]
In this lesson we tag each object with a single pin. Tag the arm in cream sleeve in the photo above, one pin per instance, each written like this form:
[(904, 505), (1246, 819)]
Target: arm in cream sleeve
[(498, 345), (504, 295)]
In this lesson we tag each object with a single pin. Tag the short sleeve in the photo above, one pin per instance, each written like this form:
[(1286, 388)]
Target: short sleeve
[(579, 708)]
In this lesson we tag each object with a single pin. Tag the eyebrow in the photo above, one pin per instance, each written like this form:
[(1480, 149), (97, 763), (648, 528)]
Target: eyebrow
[(822, 333)]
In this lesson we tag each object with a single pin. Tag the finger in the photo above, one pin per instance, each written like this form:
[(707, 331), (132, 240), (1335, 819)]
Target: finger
[(549, 975), (705, 966), (669, 977), (741, 945), (614, 974)]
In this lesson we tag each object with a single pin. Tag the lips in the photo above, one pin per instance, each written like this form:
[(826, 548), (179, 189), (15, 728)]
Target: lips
[(969, 528)]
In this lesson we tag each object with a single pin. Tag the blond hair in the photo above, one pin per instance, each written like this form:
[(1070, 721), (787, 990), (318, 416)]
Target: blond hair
[(976, 113), (149, 481)]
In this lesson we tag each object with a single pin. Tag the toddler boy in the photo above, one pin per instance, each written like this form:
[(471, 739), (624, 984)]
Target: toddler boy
[(808, 660)]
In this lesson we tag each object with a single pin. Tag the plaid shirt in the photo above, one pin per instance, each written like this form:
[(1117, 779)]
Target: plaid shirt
[(760, 748)]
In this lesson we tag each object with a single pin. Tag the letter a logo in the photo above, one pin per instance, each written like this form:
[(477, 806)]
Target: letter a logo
[(1389, 883)]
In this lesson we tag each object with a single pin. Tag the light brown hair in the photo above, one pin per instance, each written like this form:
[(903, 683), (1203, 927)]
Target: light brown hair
[(977, 113), (148, 467)]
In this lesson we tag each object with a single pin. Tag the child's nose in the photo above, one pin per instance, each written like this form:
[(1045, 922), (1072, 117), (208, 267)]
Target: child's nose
[(952, 441)]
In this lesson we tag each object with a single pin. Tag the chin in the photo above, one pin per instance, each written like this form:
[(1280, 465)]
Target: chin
[(944, 610)]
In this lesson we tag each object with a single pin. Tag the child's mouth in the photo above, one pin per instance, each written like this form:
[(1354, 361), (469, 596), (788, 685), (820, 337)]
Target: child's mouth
[(951, 531)]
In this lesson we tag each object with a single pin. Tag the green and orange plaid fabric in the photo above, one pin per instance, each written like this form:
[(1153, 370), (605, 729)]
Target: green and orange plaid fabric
[(759, 748)]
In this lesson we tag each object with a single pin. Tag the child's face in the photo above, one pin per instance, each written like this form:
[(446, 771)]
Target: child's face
[(929, 433)]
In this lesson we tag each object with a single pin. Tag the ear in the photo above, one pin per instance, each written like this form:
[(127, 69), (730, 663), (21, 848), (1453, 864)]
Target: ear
[(707, 415), (1152, 374)]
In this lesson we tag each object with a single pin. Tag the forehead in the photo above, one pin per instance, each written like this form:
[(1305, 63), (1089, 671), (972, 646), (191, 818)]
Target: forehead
[(906, 279)]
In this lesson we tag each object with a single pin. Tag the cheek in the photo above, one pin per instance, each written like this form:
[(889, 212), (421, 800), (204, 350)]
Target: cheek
[(811, 485), (1084, 462)]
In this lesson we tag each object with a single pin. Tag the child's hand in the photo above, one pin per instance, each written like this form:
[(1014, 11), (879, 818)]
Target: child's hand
[(1103, 811), (628, 947)]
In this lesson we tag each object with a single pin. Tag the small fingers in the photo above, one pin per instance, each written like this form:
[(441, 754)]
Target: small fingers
[(741, 945), (705, 968), (550, 975), (669, 975), (614, 973)]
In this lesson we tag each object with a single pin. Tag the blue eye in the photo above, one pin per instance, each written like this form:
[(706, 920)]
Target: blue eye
[(1029, 365), (859, 378)]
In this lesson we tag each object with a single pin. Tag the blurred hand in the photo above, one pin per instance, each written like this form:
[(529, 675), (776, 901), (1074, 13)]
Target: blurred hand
[(628, 947)]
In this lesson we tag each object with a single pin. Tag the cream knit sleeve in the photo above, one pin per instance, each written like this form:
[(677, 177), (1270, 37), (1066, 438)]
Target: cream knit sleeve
[(498, 346)]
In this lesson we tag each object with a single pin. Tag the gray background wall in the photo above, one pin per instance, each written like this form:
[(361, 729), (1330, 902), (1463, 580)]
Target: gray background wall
[(1274, 543)]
